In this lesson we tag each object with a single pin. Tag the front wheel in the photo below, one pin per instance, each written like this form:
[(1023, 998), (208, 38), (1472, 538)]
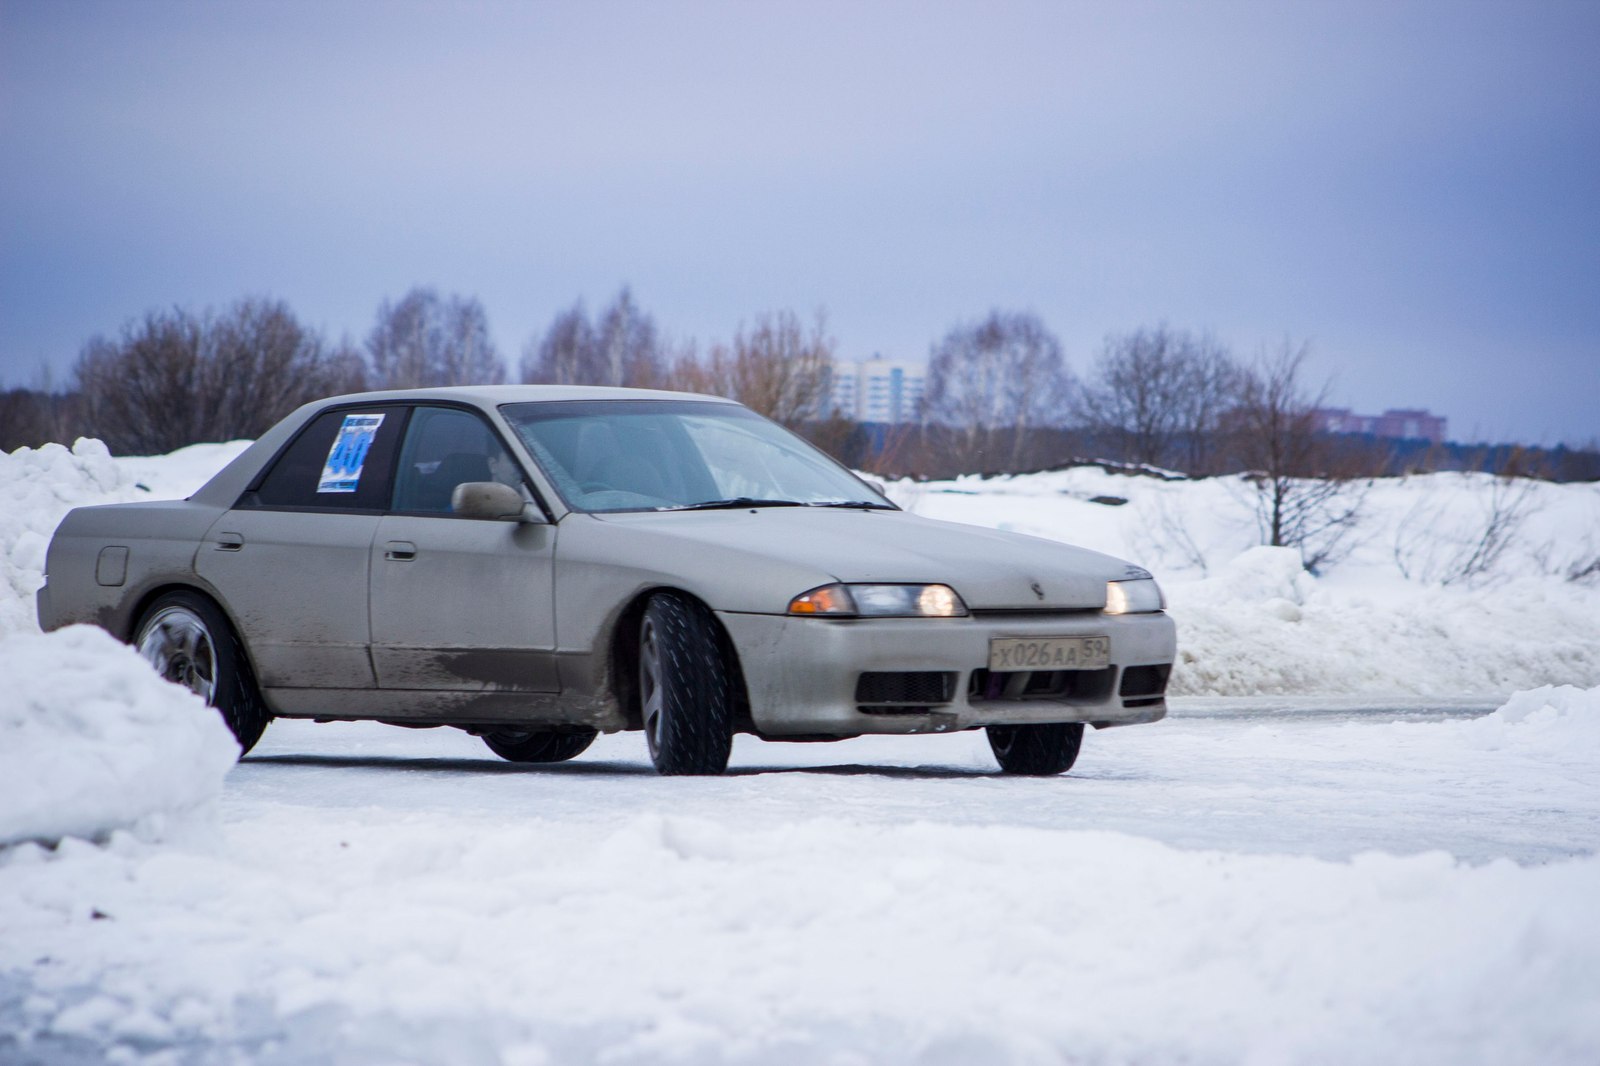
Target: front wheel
[(684, 697), (188, 640), (1038, 750), (534, 745)]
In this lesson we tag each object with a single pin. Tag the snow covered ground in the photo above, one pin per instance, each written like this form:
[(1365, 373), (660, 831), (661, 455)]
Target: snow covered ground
[(1357, 862), (1298, 889)]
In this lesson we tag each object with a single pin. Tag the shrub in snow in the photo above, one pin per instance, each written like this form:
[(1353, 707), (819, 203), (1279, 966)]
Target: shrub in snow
[(92, 740)]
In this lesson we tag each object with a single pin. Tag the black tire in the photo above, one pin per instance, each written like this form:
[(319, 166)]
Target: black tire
[(189, 641), (684, 699), (1038, 750), (534, 745)]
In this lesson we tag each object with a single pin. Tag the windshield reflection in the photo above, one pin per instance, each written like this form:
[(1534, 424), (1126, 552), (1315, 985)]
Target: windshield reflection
[(674, 455)]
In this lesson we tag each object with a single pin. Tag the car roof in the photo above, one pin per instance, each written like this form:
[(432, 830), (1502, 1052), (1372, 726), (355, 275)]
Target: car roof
[(494, 395), (224, 488)]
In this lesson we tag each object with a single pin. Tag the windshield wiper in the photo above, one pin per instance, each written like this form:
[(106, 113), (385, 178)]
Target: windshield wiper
[(737, 501), (859, 505)]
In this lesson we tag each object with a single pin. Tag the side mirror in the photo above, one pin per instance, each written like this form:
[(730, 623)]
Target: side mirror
[(494, 501)]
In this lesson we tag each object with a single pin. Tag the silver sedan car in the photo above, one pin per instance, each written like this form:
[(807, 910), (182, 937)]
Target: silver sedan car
[(538, 564)]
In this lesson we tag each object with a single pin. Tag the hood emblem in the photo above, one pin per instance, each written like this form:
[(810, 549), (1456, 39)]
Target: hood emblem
[(1037, 590)]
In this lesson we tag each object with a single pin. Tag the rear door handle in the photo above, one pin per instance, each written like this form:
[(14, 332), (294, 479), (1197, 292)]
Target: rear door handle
[(400, 551), (229, 542)]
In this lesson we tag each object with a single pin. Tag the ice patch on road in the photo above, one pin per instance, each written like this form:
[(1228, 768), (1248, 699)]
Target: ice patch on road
[(92, 740)]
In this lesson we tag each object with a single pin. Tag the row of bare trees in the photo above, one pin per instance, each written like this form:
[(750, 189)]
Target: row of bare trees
[(777, 365), (176, 377), (1157, 398), (999, 393)]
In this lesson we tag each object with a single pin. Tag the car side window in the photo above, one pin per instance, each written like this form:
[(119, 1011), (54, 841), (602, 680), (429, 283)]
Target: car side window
[(445, 447), (342, 461)]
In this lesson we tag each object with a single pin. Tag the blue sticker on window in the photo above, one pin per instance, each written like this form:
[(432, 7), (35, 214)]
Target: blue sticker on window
[(342, 471)]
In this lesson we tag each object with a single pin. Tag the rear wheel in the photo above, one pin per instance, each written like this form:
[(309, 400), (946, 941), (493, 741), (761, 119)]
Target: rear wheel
[(533, 745), (189, 641), (684, 697), (1039, 750)]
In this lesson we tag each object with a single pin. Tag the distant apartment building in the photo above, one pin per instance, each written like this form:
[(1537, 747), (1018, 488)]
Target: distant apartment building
[(1393, 424), (877, 390)]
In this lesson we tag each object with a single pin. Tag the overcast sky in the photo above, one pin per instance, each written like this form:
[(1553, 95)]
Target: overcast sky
[(1413, 188)]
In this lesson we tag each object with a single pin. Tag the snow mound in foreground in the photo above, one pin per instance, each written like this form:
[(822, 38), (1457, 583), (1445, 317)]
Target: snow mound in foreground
[(95, 741), (441, 937), (1548, 718)]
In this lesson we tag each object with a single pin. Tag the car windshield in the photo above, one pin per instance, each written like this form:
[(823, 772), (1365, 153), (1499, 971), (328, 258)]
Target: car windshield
[(658, 455)]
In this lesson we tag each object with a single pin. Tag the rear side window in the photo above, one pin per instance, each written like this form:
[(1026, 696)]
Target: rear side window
[(342, 461), (444, 448)]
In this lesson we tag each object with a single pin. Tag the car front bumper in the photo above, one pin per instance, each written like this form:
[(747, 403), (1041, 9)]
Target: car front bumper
[(802, 674)]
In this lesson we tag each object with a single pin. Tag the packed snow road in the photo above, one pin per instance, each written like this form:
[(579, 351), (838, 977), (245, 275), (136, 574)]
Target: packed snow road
[(1287, 887), (1316, 778)]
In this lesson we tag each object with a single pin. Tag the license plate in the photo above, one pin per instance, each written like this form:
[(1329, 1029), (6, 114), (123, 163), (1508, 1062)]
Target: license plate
[(1049, 653)]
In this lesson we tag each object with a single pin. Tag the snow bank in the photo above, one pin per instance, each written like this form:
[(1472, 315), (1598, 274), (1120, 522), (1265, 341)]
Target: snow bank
[(1555, 720), (92, 740), (431, 938), (39, 486), (1264, 626), (1251, 621)]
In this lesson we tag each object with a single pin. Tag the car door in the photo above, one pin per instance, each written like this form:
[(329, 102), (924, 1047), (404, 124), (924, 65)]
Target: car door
[(289, 561), (460, 604)]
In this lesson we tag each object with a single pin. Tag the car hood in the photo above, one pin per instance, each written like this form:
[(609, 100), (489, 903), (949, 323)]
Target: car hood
[(990, 569)]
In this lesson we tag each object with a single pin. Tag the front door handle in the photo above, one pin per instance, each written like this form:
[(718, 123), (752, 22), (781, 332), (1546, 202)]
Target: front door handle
[(229, 542), (400, 551)]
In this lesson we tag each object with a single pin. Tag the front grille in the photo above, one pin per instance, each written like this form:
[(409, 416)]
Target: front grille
[(999, 685), (1145, 680), (906, 686), (1039, 613)]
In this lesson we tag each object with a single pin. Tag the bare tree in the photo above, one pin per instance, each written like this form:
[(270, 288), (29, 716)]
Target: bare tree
[(175, 378), (34, 416), (426, 340), (1450, 553), (563, 356), (992, 382), (1214, 385), (1306, 492), (620, 347), (777, 367), (1160, 395), (627, 341)]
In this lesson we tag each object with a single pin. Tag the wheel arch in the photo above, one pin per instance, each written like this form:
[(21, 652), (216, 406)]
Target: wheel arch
[(151, 595), (623, 657)]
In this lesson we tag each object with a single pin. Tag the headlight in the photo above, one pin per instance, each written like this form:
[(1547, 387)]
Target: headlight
[(880, 601), (1135, 593)]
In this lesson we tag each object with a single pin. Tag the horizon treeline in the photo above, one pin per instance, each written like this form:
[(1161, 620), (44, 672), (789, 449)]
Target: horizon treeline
[(1000, 396)]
